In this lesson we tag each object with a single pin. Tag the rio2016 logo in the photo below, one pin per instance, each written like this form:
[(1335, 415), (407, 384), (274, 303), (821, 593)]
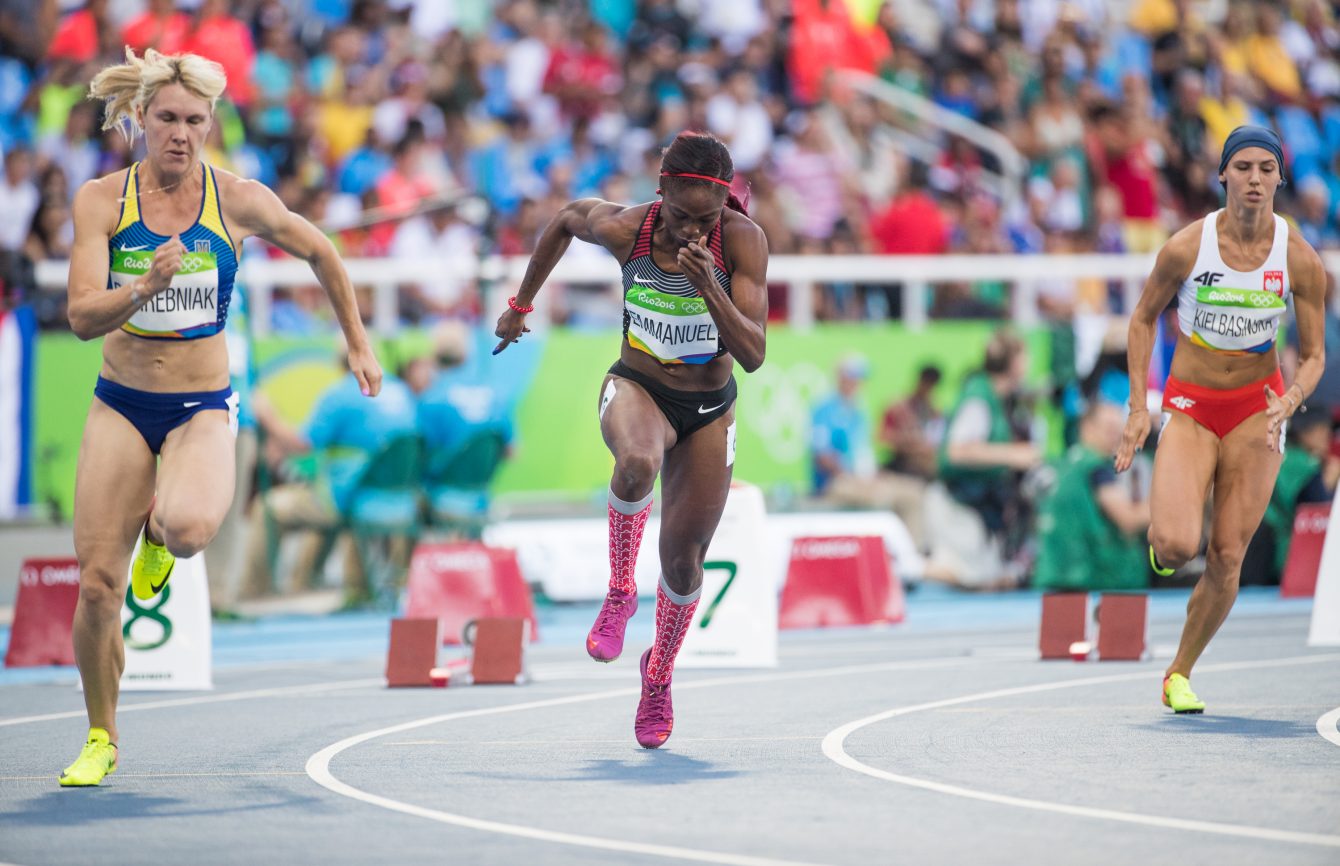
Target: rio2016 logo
[(154, 614)]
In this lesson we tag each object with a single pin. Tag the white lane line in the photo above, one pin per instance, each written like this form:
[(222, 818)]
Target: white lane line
[(1328, 724), (318, 766), (48, 777), (279, 691), (834, 749)]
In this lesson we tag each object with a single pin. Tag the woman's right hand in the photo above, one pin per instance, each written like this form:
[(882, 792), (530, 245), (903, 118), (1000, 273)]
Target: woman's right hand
[(166, 263), (1132, 438), (511, 325)]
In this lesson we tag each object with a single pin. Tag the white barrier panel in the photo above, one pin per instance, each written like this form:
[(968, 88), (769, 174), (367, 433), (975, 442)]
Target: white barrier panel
[(1325, 630), (168, 636), (569, 559), (735, 625)]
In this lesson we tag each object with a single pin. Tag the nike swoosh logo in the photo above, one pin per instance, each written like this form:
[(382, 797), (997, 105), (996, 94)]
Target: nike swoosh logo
[(190, 405), (158, 587), (702, 411), (137, 249)]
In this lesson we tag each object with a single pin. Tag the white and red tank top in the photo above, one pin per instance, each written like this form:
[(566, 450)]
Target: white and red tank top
[(1230, 311)]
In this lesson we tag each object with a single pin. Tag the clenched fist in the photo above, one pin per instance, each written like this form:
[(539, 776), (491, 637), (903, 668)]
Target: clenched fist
[(166, 263)]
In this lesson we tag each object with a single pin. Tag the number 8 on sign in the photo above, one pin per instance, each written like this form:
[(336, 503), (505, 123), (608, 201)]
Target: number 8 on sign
[(155, 613)]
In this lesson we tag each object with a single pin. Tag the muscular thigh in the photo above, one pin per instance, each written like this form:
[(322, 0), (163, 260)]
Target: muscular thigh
[(114, 485), (694, 485), (1184, 467), (1243, 483), (630, 421), (197, 473)]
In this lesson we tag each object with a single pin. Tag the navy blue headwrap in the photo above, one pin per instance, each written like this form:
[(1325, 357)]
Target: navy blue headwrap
[(1253, 136)]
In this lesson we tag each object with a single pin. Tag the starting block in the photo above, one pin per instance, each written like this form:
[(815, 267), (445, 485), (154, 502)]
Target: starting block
[(1121, 626), (840, 581), (1065, 618), (499, 650), (458, 583), (412, 657), (44, 614), (498, 656)]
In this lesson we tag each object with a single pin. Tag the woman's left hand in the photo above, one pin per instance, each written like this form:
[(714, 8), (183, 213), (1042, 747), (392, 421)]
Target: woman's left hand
[(1278, 410), (363, 364), (696, 261)]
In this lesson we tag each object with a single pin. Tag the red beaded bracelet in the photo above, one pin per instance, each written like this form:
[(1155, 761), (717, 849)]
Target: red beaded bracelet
[(511, 302)]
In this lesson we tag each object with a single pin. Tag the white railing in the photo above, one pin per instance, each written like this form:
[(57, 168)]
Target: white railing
[(500, 276), (1007, 185)]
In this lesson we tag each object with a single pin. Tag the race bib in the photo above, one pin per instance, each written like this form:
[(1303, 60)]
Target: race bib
[(1235, 320), (190, 302), (672, 329)]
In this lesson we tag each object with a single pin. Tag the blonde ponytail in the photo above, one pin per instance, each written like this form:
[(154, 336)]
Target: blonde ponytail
[(131, 86)]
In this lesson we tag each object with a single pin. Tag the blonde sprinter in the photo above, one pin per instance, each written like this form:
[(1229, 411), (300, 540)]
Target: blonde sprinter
[(155, 254)]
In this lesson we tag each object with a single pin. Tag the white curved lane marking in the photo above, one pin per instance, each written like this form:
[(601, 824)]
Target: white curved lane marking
[(318, 766), (1328, 724), (833, 747)]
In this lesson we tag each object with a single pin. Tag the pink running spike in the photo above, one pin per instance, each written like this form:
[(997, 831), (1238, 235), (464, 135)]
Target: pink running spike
[(625, 539), (605, 642), (655, 713)]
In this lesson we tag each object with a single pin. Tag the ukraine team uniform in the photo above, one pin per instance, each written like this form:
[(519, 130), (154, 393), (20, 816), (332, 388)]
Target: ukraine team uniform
[(193, 307)]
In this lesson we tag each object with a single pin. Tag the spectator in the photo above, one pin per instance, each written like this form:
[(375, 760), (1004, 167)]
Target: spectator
[(738, 117), (161, 26), (842, 458), (52, 233), (1316, 217), (1091, 527), (458, 405), (913, 223), (975, 509), (912, 429), (344, 432), (441, 235), (1269, 60), (825, 37), (225, 39), (77, 38), (1120, 157), (582, 76), (21, 199), (506, 169)]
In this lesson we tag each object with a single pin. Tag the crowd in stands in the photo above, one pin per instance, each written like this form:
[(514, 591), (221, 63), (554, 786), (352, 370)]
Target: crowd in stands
[(354, 106), (383, 121)]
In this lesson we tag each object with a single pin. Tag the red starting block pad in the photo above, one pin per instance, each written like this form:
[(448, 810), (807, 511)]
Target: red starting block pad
[(500, 648), (412, 656), (1121, 626), (840, 580), (44, 614), (460, 583), (1065, 618), (1304, 563)]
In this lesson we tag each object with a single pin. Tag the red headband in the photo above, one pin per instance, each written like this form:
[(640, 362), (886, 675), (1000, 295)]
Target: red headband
[(724, 183)]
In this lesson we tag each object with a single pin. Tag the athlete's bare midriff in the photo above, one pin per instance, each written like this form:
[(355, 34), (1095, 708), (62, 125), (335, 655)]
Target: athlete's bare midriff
[(711, 376), (1197, 365), (166, 366)]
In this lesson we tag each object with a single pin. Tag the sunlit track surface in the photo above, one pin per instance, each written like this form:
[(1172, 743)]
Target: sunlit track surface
[(302, 759)]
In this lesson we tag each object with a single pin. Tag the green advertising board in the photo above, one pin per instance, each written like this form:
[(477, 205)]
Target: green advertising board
[(558, 448)]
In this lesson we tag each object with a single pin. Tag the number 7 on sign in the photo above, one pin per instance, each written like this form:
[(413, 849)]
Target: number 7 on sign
[(731, 569)]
